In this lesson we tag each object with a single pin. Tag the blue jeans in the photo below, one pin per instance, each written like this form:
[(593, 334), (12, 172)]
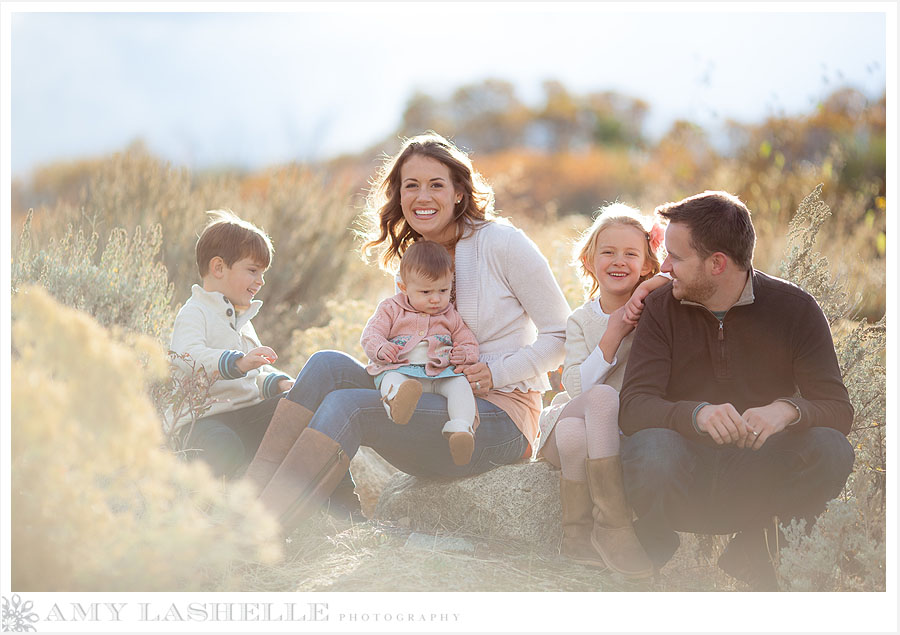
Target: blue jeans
[(227, 441), (676, 484), (349, 409)]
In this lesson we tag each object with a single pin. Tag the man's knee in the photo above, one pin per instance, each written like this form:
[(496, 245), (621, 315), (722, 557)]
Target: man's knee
[(829, 455)]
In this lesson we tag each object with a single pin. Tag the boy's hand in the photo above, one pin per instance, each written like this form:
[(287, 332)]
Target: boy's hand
[(457, 356), (285, 385), (257, 357), (389, 352)]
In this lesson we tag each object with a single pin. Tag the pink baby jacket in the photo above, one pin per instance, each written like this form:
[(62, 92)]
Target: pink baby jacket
[(396, 320)]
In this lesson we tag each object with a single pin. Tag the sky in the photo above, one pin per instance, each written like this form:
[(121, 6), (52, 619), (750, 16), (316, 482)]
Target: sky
[(250, 89)]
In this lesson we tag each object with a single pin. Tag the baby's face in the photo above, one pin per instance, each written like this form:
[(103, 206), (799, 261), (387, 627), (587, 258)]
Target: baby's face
[(427, 296)]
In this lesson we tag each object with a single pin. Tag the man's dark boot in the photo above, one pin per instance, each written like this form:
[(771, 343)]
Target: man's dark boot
[(659, 543), (748, 558)]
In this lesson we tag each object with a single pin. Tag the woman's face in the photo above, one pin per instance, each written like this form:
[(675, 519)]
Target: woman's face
[(428, 197)]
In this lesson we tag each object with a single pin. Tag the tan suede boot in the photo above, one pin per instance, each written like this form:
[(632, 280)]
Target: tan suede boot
[(613, 535), (306, 478), (288, 421), (577, 522)]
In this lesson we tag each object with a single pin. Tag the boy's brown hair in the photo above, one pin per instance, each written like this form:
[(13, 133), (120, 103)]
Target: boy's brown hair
[(426, 258), (231, 238)]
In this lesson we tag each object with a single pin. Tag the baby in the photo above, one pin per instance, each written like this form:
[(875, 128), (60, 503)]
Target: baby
[(415, 337)]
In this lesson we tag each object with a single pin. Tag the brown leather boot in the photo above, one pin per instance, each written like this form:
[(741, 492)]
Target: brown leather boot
[(306, 478), (613, 535), (288, 421), (577, 522)]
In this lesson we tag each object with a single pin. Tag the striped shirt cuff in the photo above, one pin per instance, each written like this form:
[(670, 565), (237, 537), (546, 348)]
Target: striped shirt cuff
[(694, 417), (270, 385), (228, 365)]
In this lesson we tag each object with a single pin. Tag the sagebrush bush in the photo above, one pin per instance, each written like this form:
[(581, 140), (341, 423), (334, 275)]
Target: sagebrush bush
[(98, 503), (845, 550), (125, 285), (307, 214)]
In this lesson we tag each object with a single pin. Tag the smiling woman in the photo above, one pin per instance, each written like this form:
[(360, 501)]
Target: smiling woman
[(505, 293)]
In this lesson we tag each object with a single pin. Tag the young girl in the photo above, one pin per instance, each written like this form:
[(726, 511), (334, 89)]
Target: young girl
[(412, 340), (618, 257)]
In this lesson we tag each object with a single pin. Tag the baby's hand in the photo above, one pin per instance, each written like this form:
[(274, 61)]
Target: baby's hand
[(457, 356), (257, 357), (389, 352)]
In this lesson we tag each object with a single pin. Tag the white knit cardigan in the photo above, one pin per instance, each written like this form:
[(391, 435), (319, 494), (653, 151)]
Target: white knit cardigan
[(507, 295)]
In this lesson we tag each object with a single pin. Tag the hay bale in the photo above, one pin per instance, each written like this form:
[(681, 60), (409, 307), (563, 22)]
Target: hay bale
[(518, 502)]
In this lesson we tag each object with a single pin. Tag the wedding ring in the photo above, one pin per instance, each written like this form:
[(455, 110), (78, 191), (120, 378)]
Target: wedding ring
[(755, 433), (478, 385)]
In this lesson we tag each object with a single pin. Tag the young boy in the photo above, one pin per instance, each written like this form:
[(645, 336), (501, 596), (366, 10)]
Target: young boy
[(214, 327)]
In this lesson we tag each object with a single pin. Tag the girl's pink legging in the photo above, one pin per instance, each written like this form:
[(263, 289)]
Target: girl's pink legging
[(588, 427)]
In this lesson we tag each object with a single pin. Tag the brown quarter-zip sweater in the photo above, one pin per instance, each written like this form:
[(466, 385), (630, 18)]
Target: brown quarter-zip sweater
[(774, 343)]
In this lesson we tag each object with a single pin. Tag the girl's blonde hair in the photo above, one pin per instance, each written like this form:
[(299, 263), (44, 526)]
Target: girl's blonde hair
[(613, 214)]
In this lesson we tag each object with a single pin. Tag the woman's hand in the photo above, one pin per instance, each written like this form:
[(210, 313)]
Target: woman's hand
[(479, 376)]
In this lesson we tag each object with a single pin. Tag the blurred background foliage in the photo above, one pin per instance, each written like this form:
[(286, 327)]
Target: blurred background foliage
[(555, 162)]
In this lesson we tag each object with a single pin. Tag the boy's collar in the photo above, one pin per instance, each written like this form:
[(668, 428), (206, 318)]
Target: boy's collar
[(217, 300)]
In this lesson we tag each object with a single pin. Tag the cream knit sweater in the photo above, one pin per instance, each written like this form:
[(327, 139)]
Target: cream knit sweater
[(507, 295)]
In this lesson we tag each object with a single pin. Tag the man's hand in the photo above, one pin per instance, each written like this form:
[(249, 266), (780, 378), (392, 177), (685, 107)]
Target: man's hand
[(723, 423), (479, 375), (765, 421), (257, 357)]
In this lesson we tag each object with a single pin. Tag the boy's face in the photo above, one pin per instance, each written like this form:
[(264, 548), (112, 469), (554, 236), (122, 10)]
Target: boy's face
[(239, 282), (427, 296)]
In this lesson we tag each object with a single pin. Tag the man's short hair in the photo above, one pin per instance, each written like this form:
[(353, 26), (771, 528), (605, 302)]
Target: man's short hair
[(232, 239), (427, 259), (718, 221)]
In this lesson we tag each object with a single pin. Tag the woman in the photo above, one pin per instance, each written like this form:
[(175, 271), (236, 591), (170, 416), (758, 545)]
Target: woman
[(506, 294)]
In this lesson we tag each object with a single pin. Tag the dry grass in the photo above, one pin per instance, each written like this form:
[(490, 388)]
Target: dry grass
[(326, 554)]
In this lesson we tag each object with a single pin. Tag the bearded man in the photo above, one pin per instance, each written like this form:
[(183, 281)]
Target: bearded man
[(732, 399)]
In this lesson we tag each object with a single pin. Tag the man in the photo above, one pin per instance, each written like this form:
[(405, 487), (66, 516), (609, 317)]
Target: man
[(732, 398)]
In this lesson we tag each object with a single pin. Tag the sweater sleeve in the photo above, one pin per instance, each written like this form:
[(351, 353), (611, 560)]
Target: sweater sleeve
[(376, 331), (642, 402), (189, 335), (576, 352), (532, 283), (823, 399)]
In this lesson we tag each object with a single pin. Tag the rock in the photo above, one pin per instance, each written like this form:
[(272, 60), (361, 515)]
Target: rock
[(428, 542), (519, 502), (371, 473)]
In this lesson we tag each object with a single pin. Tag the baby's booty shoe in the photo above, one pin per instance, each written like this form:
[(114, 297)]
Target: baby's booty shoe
[(400, 403), (461, 437)]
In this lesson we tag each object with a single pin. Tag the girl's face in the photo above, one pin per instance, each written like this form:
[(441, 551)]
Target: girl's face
[(620, 260), (427, 296), (428, 197)]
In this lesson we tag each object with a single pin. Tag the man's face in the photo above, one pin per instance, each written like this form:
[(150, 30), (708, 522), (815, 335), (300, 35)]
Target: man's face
[(690, 272)]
